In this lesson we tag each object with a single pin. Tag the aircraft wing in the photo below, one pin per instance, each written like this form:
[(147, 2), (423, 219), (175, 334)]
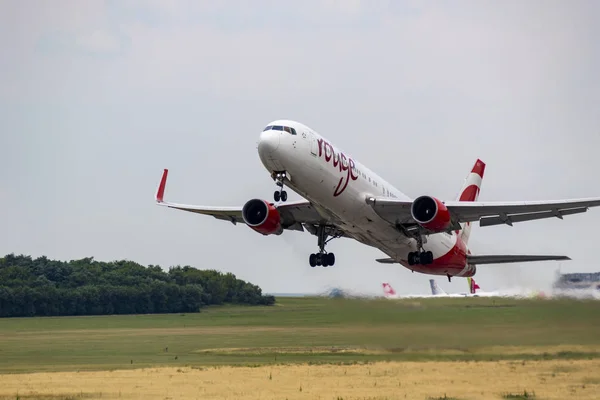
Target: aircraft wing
[(487, 213), (294, 215), (497, 213), (504, 259)]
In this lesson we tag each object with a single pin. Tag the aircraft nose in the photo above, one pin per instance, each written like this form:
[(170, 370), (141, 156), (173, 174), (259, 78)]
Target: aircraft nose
[(268, 142)]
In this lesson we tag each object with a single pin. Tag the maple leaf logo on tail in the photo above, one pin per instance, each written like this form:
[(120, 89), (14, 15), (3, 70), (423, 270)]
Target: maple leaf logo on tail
[(388, 290)]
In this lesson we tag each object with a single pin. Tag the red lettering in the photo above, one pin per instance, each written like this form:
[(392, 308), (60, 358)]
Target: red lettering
[(352, 167), (328, 154), (338, 160)]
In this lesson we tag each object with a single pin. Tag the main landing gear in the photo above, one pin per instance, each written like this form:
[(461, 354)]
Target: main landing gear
[(421, 257), (280, 194), (322, 258)]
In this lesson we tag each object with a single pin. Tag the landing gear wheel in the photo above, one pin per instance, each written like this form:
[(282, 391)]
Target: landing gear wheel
[(322, 258), (277, 195), (427, 257), (283, 195), (330, 258), (412, 258), (423, 258)]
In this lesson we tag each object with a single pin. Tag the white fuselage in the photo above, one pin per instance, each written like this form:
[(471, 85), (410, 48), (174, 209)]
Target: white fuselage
[(338, 186)]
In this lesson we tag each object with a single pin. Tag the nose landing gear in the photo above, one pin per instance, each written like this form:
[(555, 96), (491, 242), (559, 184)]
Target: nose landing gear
[(279, 194)]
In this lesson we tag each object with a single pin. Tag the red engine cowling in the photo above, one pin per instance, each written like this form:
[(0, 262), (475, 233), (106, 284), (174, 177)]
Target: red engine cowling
[(431, 213), (262, 217)]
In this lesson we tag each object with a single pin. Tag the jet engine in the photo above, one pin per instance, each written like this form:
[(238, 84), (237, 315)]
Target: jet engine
[(262, 217), (431, 213)]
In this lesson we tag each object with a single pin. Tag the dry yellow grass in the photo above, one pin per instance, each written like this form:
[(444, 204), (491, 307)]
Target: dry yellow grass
[(556, 379)]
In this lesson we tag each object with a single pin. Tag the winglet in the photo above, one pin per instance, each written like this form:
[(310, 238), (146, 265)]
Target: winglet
[(161, 188)]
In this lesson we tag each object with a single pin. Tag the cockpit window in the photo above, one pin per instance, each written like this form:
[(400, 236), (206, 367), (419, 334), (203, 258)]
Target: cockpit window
[(280, 128)]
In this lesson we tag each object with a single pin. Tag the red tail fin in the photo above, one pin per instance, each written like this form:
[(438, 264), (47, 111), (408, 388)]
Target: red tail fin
[(472, 186), (470, 192), (473, 286), (388, 290)]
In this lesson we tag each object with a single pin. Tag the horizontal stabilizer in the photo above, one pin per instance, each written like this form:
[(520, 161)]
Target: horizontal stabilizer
[(386, 260), (504, 259)]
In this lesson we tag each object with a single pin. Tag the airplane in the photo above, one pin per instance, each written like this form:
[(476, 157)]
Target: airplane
[(473, 286), (438, 291), (390, 293), (344, 198)]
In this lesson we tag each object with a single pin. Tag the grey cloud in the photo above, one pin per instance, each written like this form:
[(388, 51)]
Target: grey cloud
[(93, 43), (416, 92)]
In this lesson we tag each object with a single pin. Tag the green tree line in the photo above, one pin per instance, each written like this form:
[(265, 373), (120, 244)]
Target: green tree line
[(42, 287)]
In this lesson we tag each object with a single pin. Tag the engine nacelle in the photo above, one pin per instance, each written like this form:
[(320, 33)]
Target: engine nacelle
[(431, 213), (262, 217)]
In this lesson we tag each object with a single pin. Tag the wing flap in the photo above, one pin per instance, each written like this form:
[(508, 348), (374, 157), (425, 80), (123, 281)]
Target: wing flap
[(510, 218), (391, 210), (505, 259)]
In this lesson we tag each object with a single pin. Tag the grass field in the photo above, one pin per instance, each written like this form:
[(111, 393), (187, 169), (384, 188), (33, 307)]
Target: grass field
[(538, 337)]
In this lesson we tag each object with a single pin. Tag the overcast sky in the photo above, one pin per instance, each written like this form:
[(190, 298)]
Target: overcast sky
[(97, 97)]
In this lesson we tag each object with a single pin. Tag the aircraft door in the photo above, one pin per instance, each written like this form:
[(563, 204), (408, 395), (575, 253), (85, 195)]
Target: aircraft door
[(313, 143)]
